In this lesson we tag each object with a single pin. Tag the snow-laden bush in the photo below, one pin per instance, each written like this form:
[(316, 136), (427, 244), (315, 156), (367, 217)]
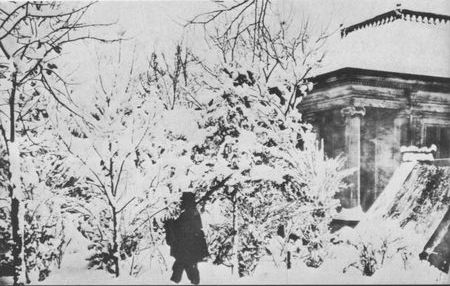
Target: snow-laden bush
[(249, 157), (426, 191), (272, 170), (5, 222), (375, 247), (404, 224), (318, 179), (44, 241), (5, 239), (123, 158), (41, 222)]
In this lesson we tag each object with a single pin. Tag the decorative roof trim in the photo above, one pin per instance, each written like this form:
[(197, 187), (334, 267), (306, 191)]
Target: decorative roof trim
[(351, 71), (391, 16), (373, 77)]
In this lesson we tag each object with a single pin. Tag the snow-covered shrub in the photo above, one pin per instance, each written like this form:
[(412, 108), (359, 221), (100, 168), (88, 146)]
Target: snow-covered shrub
[(123, 157), (44, 240), (220, 243), (5, 240), (40, 215), (256, 144), (376, 247), (311, 203), (244, 148), (251, 252), (404, 224), (428, 192), (170, 78), (96, 226), (271, 169), (102, 258), (245, 139), (42, 226), (316, 181), (5, 222)]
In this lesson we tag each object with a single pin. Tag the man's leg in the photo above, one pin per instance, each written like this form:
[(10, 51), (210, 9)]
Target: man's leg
[(177, 268), (192, 273)]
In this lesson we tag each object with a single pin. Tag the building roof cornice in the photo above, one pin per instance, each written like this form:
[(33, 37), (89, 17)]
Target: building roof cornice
[(351, 75), (397, 14)]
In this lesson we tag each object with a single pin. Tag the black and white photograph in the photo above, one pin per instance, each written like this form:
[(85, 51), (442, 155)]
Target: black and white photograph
[(224, 142)]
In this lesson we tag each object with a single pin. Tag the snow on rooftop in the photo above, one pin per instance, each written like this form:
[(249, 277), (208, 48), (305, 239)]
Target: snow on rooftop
[(400, 46)]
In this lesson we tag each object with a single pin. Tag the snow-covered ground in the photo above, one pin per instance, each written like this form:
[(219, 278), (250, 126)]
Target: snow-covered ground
[(74, 271), (370, 233)]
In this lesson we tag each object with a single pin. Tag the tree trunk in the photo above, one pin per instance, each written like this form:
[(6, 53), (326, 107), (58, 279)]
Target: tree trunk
[(288, 260), (17, 240), (16, 219), (114, 214), (115, 244), (235, 256)]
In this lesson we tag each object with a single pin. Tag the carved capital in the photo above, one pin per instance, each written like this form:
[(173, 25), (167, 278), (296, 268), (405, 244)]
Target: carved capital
[(352, 111)]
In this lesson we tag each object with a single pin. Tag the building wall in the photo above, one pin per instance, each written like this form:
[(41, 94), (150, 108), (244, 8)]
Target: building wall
[(380, 145), (383, 132), (330, 127), (367, 115)]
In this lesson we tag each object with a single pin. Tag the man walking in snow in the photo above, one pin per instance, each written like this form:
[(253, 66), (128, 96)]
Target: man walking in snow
[(187, 240)]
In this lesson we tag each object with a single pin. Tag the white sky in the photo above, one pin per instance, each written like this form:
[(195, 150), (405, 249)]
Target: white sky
[(158, 25), (160, 22)]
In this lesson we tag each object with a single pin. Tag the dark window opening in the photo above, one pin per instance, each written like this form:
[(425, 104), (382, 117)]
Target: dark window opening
[(439, 136)]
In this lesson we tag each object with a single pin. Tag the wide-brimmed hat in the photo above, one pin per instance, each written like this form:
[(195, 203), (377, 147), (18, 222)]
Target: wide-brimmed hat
[(188, 197)]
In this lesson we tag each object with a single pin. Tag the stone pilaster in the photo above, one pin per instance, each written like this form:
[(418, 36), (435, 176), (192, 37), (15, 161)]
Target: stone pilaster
[(352, 115)]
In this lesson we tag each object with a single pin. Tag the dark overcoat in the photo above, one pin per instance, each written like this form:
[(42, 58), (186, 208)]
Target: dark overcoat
[(186, 238)]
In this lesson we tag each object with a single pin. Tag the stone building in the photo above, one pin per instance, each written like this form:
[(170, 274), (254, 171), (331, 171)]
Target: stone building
[(393, 91)]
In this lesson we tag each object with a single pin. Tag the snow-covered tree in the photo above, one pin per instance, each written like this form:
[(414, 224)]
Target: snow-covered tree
[(271, 169), (44, 238), (32, 37), (42, 220), (257, 146), (259, 34), (169, 77), (252, 159), (119, 155), (254, 165)]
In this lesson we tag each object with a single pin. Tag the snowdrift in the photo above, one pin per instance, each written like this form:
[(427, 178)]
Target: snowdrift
[(416, 204)]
